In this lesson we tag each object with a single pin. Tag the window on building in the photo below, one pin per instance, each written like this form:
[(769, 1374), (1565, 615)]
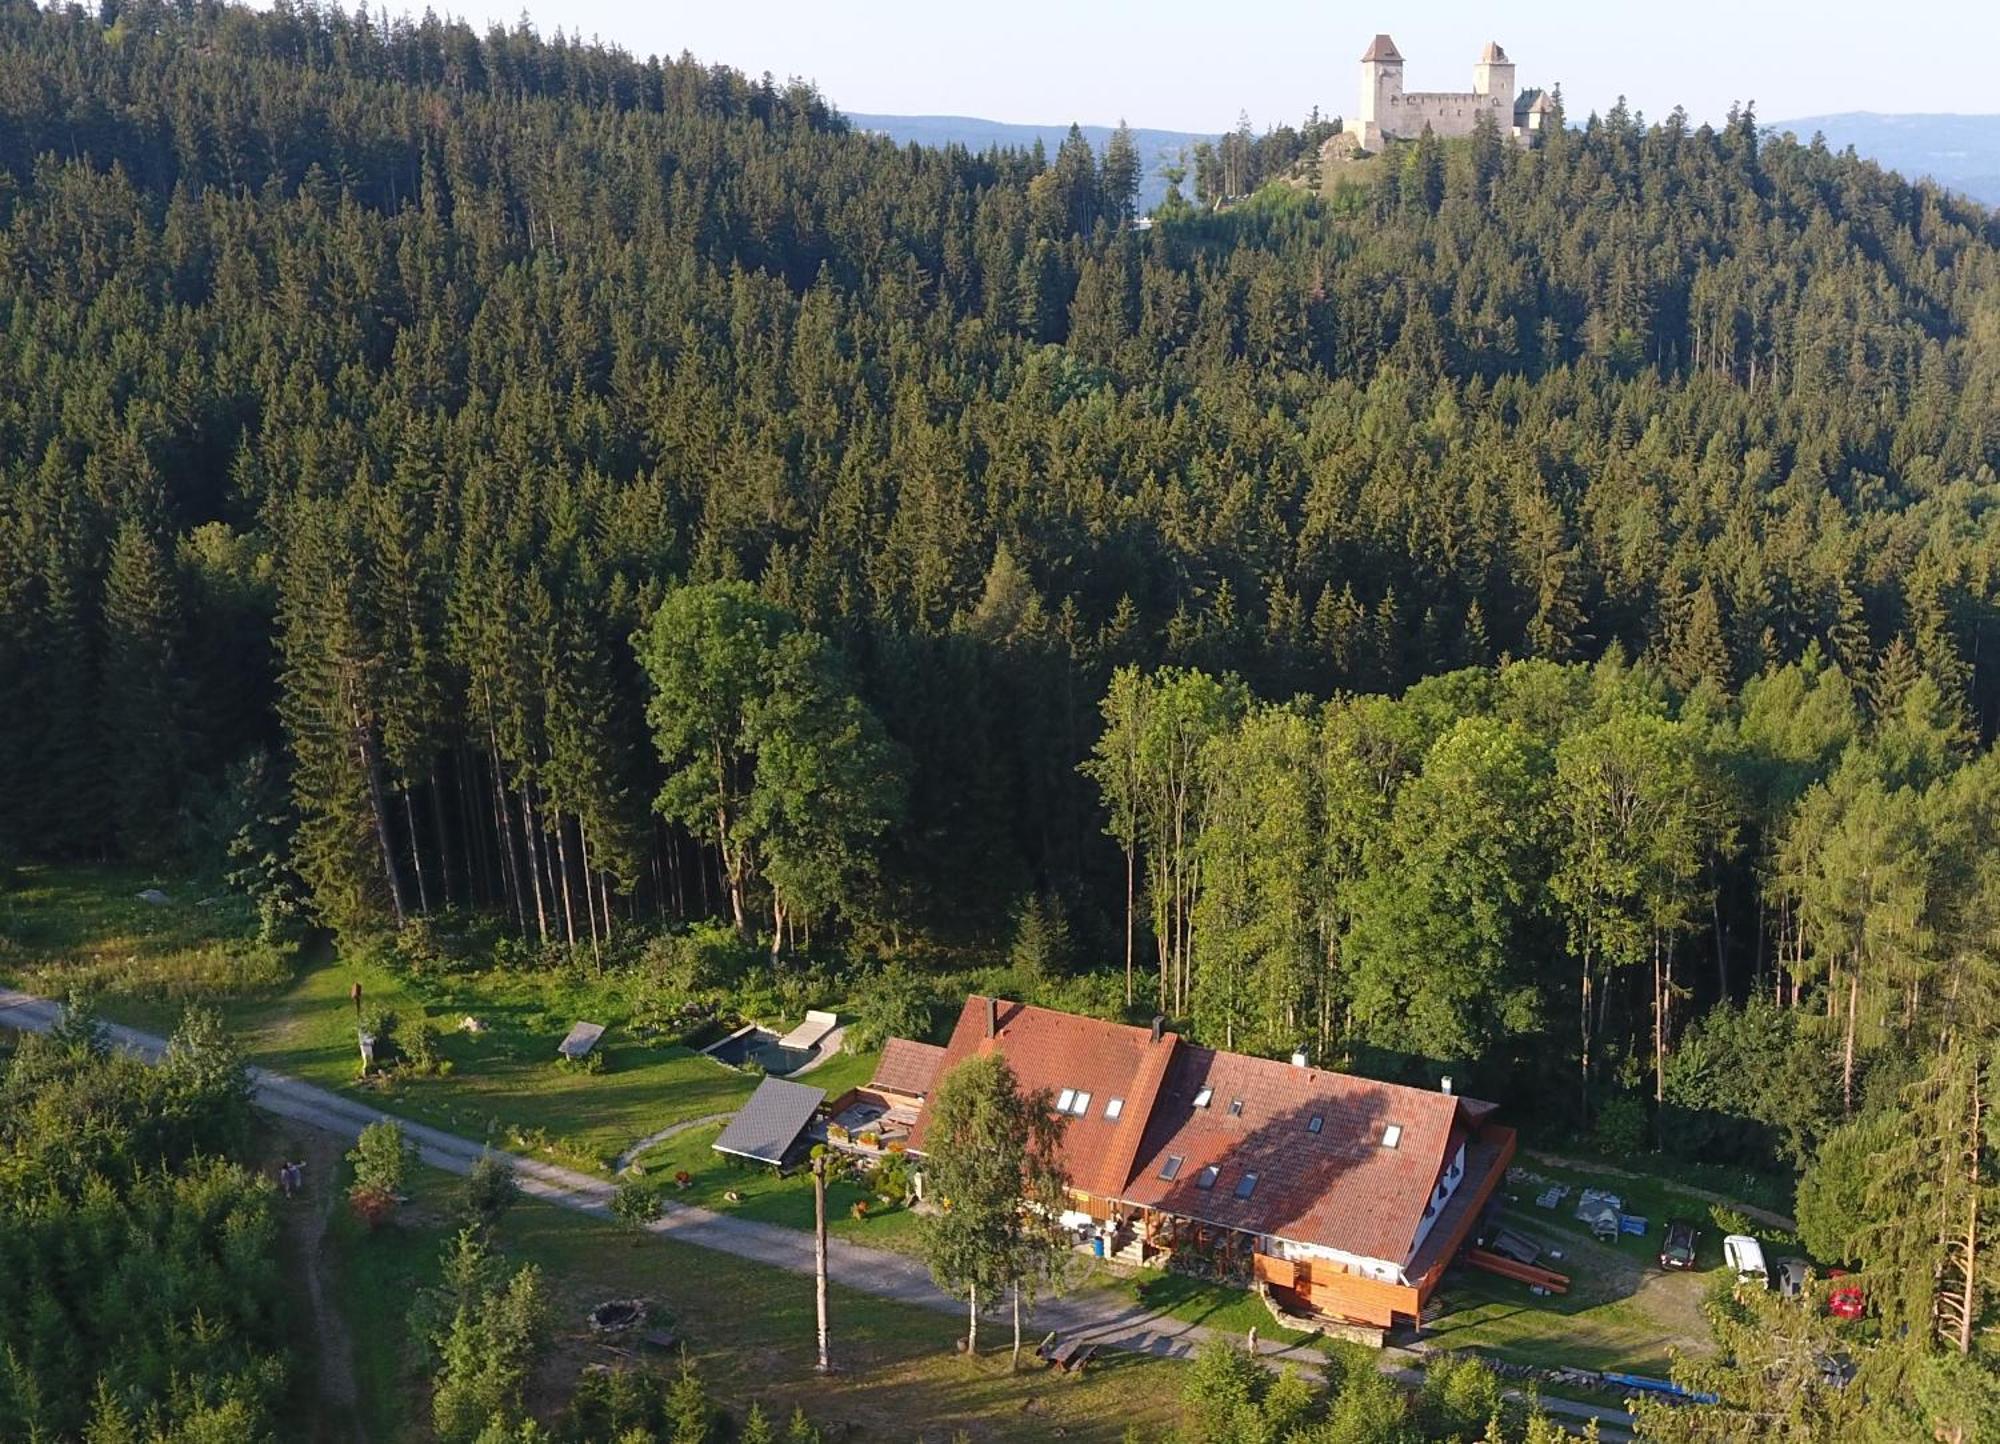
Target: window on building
[(1315, 1123), (1081, 1105), (1392, 1134), (1201, 1099), (1172, 1168), (1206, 1178), (1064, 1099), (1248, 1185), (1236, 1108), (1113, 1107)]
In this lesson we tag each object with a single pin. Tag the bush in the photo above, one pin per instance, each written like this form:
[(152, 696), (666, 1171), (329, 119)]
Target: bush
[(419, 1051), (635, 1204), (891, 1180), (1728, 1220), (380, 1158), (1621, 1126), (895, 1003), (490, 1190)]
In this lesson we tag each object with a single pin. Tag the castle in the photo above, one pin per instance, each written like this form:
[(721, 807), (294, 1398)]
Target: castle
[(1388, 111)]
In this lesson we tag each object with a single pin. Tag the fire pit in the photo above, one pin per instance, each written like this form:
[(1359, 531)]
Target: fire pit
[(617, 1316)]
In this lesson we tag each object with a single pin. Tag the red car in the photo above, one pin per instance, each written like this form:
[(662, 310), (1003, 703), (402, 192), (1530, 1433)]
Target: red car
[(1847, 1301)]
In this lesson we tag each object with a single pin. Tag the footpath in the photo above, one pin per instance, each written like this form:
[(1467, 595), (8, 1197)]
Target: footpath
[(1104, 1322)]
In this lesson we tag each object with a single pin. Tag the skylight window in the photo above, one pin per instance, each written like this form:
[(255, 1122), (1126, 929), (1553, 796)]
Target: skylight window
[(1172, 1169), (1063, 1101), (1113, 1108), (1315, 1123), (1082, 1104), (1236, 1108), (1201, 1098), (1206, 1178), (1247, 1186), (1392, 1134)]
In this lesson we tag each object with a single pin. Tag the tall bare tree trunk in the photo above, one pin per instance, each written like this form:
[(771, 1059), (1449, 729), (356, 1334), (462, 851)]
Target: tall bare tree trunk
[(562, 860), (444, 837), (416, 852), (1847, 1049), (972, 1321), (1131, 861), (371, 764), (1014, 1363), (534, 861)]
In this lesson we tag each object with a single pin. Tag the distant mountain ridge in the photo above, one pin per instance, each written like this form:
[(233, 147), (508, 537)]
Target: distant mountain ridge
[(1159, 149), (1959, 152)]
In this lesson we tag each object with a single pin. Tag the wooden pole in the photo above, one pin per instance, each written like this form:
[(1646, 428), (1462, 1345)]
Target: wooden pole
[(825, 1364)]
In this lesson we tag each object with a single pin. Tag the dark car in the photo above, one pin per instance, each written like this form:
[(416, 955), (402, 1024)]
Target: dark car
[(1678, 1250), (1792, 1276)]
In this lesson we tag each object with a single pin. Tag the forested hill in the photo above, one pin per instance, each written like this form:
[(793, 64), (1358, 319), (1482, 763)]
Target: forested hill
[(363, 391)]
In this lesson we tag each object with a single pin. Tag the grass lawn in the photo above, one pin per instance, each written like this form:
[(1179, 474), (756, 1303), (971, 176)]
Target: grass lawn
[(63, 926), (1197, 1301), (768, 1196), (749, 1330)]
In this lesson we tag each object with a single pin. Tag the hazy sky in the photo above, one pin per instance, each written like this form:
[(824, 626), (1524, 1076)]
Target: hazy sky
[(1183, 65)]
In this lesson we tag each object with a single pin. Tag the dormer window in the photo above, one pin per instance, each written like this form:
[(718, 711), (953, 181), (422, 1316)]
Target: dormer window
[(1206, 1178), (1236, 1108), (1392, 1134), (1113, 1107), (1315, 1123), (1064, 1099), (1201, 1099), (1172, 1168), (1073, 1101), (1247, 1186), (1082, 1104)]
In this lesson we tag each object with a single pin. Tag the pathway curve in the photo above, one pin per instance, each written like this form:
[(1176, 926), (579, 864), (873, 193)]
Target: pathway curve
[(672, 1130), (1107, 1322)]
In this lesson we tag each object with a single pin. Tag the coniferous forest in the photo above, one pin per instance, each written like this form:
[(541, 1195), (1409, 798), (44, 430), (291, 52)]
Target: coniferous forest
[(1534, 614)]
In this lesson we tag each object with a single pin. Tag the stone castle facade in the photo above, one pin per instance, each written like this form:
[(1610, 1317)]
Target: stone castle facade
[(1388, 111)]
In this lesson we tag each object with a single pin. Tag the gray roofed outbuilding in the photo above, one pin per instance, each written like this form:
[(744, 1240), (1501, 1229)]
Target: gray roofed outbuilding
[(769, 1124)]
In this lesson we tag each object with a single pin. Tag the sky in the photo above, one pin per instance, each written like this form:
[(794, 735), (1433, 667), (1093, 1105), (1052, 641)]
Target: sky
[(1182, 65)]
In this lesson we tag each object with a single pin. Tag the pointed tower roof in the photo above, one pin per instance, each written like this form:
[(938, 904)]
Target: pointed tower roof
[(1382, 48), (1493, 54), (1543, 105)]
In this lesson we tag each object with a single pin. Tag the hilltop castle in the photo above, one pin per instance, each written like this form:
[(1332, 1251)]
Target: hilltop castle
[(1388, 111)]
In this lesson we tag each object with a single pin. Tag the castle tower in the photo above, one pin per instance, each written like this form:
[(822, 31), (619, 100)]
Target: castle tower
[(1381, 91), (1493, 76)]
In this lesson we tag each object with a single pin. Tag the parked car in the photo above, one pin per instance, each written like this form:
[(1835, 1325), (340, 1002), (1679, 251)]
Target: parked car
[(1678, 1250), (1792, 1275), (1847, 1301), (1745, 1257)]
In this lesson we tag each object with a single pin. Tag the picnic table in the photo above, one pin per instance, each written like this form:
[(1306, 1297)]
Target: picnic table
[(580, 1039)]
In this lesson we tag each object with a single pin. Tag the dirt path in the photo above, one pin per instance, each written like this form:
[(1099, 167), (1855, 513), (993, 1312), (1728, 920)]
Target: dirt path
[(672, 1130), (322, 1330)]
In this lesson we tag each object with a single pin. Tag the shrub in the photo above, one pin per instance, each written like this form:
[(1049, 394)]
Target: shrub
[(635, 1204), (895, 1003), (419, 1050), (490, 1190), (1728, 1220), (380, 1158), (891, 1179), (1621, 1126)]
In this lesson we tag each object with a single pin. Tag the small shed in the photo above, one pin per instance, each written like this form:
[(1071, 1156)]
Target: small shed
[(768, 1126)]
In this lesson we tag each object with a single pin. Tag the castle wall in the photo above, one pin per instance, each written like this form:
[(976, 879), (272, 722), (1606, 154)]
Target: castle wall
[(1447, 113)]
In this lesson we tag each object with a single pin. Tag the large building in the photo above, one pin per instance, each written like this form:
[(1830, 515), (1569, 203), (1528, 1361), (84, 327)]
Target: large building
[(1388, 111), (1343, 1196)]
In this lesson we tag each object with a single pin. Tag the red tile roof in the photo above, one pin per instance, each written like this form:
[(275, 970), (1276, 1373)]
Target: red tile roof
[(1341, 1187), (1062, 1050), (907, 1067), (1382, 48)]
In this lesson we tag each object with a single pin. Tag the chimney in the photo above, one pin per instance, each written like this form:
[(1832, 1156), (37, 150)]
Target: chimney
[(992, 1017), (1159, 1026), (1444, 1085), (1298, 1057)]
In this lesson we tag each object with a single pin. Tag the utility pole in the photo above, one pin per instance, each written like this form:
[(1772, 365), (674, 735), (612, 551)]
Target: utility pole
[(825, 1364)]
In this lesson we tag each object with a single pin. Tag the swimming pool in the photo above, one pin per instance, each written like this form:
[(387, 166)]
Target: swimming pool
[(760, 1045)]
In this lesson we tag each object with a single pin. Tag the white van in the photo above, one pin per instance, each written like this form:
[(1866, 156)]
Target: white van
[(1745, 1257)]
